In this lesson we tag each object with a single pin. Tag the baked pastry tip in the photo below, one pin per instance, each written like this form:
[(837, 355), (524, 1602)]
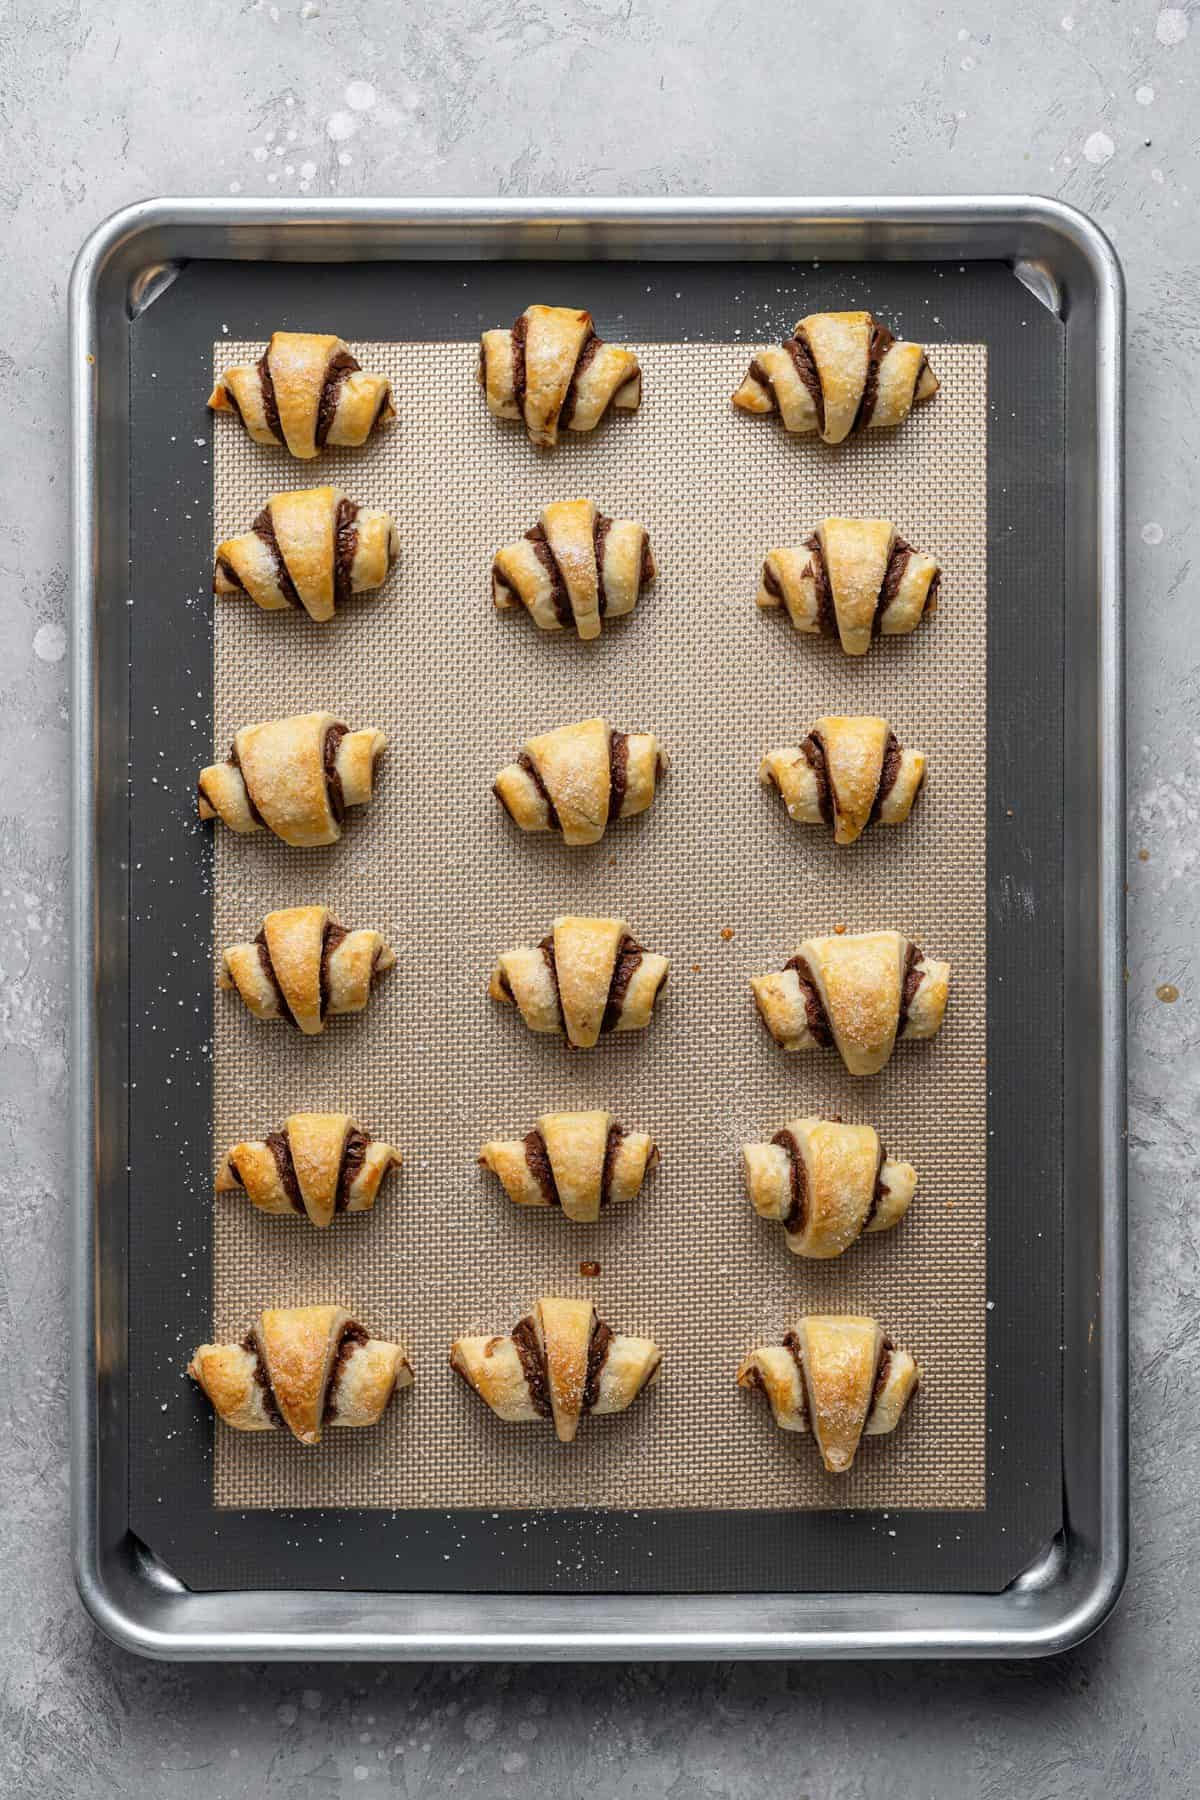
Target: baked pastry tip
[(588, 977), (853, 579), (552, 371), (574, 569), (576, 780), (306, 391), (304, 967), (316, 1165), (293, 777), (559, 1362), (839, 1377), (861, 994), (581, 1162), (303, 1368), (839, 373), (850, 772)]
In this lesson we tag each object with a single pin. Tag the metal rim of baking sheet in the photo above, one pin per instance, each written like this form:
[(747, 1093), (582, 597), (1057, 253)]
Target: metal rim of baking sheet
[(1070, 1589)]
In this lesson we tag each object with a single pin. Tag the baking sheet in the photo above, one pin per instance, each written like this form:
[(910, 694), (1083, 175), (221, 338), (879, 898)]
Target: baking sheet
[(435, 1068), (833, 1552)]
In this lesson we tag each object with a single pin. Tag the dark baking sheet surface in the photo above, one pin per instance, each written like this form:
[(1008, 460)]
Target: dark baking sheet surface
[(171, 956)]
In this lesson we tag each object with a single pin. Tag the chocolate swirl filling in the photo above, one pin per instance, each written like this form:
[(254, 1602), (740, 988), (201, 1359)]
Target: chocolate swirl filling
[(629, 958), (264, 528), (252, 1348), (333, 779), (797, 1217), (826, 611), (352, 1335), (345, 549), (910, 982), (533, 1366), (804, 363), (881, 342), (590, 346), (340, 365), (814, 754), (520, 332), (877, 1192), (332, 936), (816, 1017), (888, 772), (270, 404)]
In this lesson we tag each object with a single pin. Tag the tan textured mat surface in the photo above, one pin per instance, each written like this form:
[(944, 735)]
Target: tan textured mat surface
[(434, 864)]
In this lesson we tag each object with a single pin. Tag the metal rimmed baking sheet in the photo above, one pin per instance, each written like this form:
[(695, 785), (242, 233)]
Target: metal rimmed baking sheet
[(785, 224)]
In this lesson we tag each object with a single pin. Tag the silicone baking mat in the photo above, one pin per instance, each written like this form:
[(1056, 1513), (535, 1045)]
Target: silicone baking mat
[(716, 876), (574, 1544)]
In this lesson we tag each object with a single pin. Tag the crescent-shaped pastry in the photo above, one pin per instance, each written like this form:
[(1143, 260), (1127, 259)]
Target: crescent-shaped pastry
[(552, 371), (315, 1164), (303, 966), (855, 580), (848, 773), (560, 1362), (305, 391), (827, 1184), (575, 568), (574, 780), (589, 976), (841, 1378), (295, 777), (839, 372), (312, 548), (580, 1162), (305, 1367), (861, 994)]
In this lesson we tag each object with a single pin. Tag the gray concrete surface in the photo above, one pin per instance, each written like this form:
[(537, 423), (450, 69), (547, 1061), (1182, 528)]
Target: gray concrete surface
[(1090, 100)]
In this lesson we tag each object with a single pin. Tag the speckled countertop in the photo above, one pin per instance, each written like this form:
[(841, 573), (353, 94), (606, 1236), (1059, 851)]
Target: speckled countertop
[(1086, 99)]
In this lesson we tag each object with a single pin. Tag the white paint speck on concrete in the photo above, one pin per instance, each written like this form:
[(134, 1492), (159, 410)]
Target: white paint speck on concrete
[(1171, 26), (1144, 95), (341, 125), (1098, 148), (50, 643), (359, 96), (1152, 532)]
